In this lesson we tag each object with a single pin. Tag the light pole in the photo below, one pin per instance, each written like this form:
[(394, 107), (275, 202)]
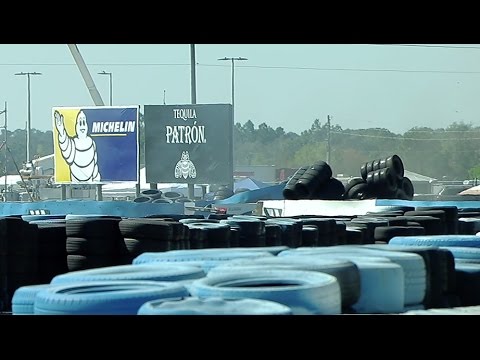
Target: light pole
[(232, 59), (28, 74), (110, 76), (233, 79)]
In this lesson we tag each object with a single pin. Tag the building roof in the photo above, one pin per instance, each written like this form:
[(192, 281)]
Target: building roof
[(417, 177)]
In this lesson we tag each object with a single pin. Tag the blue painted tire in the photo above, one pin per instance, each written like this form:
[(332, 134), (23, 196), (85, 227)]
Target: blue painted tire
[(345, 272), (24, 298), (213, 306), (103, 298), (415, 272), (274, 250), (305, 292), (385, 299), (196, 255), (150, 272), (437, 240)]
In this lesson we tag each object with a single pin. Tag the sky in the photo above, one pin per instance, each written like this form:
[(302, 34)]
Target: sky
[(283, 85)]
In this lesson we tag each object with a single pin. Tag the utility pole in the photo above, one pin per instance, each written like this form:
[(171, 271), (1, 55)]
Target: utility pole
[(328, 140), (6, 149), (233, 59), (29, 118)]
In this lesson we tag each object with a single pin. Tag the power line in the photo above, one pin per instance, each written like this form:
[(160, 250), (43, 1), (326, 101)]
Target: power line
[(430, 46), (257, 67), (401, 137)]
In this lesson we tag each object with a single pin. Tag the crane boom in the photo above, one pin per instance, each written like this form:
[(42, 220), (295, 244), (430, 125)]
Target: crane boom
[(97, 98)]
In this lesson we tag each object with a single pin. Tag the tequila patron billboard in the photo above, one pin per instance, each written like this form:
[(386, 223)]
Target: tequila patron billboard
[(189, 143)]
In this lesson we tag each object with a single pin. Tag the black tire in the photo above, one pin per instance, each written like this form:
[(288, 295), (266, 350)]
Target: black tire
[(162, 201), (407, 187), (289, 189), (146, 229), (273, 235), (468, 226), (352, 182), (215, 235), (359, 192), (92, 245), (309, 235), (172, 195), (332, 189), (383, 180), (93, 227), (316, 175), (52, 240), (152, 193), (143, 199), (468, 284), (355, 235), (432, 225), (80, 262), (386, 233), (136, 247)]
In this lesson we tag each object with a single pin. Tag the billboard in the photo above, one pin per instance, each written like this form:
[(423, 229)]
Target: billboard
[(189, 143), (94, 145)]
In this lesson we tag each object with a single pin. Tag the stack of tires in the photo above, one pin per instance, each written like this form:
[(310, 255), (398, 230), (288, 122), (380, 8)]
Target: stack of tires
[(52, 253), (145, 235), (314, 182), (382, 178), (92, 241), (18, 257)]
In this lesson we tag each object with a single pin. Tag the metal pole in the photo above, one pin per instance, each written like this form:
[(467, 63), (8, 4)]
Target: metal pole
[(111, 88), (233, 98), (28, 119), (193, 86), (328, 140), (233, 90), (231, 185), (99, 192), (96, 97), (6, 154)]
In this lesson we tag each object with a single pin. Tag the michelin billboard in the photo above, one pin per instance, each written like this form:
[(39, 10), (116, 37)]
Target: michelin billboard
[(95, 144)]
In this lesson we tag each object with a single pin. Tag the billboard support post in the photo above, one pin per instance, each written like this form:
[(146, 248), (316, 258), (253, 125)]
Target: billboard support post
[(191, 187), (99, 192), (64, 192)]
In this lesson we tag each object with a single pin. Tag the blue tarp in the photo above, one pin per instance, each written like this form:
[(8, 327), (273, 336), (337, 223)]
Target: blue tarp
[(249, 183), (274, 192)]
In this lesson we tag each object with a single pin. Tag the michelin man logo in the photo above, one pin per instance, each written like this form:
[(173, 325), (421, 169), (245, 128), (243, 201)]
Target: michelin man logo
[(185, 167), (80, 151)]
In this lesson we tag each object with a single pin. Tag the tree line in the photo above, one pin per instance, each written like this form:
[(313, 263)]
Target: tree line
[(452, 153)]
